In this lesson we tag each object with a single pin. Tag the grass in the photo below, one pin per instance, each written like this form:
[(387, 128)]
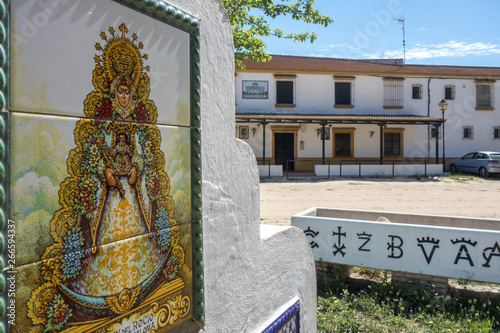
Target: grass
[(461, 176), (344, 306)]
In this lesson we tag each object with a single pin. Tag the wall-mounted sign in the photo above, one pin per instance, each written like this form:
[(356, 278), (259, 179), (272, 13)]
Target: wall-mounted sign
[(255, 89), (243, 132)]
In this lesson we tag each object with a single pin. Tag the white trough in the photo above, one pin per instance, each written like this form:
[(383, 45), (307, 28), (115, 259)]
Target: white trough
[(454, 247)]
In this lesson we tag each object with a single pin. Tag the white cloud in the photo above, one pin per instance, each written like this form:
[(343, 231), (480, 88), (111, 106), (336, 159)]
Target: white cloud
[(32, 193), (416, 52), (448, 49)]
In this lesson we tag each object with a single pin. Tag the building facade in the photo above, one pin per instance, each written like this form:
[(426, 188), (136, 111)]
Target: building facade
[(310, 111)]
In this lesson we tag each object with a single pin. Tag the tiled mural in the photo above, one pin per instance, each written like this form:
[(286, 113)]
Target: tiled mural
[(104, 167)]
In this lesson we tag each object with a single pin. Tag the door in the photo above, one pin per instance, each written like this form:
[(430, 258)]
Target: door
[(465, 163), (284, 149)]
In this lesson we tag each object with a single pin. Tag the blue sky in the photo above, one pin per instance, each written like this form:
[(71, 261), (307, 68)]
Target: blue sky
[(437, 32)]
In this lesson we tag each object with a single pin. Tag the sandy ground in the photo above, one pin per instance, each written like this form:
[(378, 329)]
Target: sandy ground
[(281, 199)]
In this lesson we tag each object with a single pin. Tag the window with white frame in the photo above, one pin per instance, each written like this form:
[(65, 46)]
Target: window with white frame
[(285, 89), (484, 94), (496, 132), (449, 92), (468, 133), (344, 91), (393, 93), (416, 91)]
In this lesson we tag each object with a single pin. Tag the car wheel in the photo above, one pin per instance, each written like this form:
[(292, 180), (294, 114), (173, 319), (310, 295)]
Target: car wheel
[(483, 172), (453, 168)]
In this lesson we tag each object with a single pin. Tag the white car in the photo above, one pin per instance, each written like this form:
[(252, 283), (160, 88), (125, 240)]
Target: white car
[(482, 162)]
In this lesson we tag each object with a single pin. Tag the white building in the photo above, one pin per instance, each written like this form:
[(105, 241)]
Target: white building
[(369, 110)]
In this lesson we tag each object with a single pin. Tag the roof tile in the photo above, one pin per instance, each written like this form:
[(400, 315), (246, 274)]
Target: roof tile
[(288, 64)]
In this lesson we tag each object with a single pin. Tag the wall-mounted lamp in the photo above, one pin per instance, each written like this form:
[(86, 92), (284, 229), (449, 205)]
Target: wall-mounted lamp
[(318, 131), (254, 130), (371, 133)]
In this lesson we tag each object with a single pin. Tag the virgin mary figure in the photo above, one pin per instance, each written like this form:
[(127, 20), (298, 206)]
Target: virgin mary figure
[(115, 237)]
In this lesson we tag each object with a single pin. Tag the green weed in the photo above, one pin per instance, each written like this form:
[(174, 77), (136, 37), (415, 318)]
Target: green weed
[(404, 307)]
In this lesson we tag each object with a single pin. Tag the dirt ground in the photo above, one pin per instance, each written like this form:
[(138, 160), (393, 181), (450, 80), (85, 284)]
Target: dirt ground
[(280, 199)]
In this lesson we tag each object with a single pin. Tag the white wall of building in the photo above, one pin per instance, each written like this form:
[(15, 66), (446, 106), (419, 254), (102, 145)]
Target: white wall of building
[(314, 94)]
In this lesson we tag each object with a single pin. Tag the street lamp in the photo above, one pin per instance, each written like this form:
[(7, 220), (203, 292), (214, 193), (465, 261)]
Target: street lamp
[(442, 106)]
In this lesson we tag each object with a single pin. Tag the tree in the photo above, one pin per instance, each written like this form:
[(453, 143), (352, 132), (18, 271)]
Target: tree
[(248, 27)]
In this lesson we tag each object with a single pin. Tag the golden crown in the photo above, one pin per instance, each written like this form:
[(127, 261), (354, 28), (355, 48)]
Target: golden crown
[(121, 56)]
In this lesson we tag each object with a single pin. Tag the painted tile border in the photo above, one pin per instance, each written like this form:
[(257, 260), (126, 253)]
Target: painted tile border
[(4, 164), (170, 15), (292, 313)]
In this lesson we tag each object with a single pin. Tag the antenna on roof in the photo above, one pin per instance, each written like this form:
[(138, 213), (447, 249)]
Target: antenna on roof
[(401, 20)]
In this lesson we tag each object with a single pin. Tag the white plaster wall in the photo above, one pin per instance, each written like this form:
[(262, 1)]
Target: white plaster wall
[(315, 95), (461, 112), (416, 143), (250, 270)]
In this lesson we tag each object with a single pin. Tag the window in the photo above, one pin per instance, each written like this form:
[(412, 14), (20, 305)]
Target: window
[(393, 142), (484, 94), (435, 132), (393, 93), (481, 156), (416, 91), (285, 92), (343, 142), (496, 132), (468, 133), (344, 91), (449, 92), (469, 156)]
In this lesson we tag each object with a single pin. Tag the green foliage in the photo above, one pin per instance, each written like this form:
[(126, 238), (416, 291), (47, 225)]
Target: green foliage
[(248, 27), (407, 307), (461, 177)]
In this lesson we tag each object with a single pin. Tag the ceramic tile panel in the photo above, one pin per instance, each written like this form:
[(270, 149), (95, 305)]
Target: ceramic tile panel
[(103, 185), (287, 322), (112, 286), (63, 52), (62, 202), (59, 171)]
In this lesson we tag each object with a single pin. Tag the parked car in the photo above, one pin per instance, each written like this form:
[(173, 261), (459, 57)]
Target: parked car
[(482, 162)]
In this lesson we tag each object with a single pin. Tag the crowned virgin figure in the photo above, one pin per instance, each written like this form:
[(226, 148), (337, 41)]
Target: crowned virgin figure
[(115, 239)]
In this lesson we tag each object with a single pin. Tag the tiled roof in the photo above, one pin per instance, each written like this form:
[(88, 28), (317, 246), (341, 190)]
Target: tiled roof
[(291, 64), (338, 119)]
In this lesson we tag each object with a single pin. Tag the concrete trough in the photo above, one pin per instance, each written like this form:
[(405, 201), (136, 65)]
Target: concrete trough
[(444, 246)]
